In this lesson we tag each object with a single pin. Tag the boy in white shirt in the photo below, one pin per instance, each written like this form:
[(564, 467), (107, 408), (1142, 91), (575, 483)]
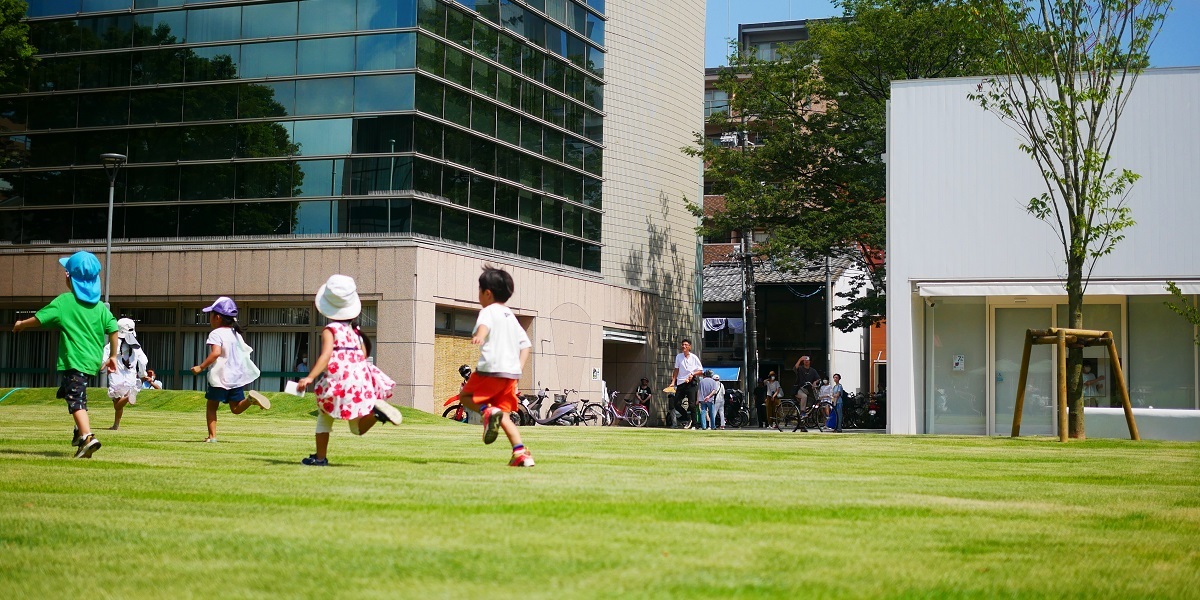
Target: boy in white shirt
[(492, 388)]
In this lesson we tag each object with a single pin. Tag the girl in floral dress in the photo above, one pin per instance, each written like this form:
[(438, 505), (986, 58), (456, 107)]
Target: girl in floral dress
[(353, 388)]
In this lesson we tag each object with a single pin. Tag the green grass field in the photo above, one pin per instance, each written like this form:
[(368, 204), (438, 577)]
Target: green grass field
[(426, 510)]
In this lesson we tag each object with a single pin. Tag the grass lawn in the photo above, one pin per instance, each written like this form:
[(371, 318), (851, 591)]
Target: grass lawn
[(426, 510)]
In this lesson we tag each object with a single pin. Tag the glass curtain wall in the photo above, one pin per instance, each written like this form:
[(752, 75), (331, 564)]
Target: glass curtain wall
[(277, 118), (956, 366), (1162, 355)]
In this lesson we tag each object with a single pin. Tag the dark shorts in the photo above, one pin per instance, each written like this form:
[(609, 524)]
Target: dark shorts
[(73, 389), (225, 396)]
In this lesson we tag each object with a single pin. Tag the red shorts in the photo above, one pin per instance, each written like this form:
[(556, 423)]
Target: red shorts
[(493, 391)]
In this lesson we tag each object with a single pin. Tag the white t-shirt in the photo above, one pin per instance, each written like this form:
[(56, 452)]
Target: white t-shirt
[(772, 388), (233, 375), (500, 355), (687, 365)]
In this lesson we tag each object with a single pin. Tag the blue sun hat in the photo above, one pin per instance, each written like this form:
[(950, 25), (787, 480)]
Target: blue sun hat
[(84, 269)]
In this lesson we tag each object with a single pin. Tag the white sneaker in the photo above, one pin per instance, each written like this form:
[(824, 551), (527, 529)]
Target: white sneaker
[(88, 446), (390, 413), (262, 401)]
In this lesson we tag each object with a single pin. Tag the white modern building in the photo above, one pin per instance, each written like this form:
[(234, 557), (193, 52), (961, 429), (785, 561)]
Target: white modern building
[(969, 270)]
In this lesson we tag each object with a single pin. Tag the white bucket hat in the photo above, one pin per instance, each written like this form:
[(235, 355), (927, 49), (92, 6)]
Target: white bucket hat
[(125, 332), (338, 298)]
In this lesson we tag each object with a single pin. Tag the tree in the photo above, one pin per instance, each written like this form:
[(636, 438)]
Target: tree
[(1070, 67), (1182, 306), (815, 178), (16, 53)]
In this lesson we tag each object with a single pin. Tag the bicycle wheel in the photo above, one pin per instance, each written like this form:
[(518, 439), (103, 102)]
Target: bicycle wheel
[(739, 418), (591, 415), (456, 413), (788, 415), (637, 415)]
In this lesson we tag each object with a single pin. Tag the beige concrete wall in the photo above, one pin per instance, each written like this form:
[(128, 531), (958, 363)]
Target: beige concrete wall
[(654, 98), (564, 313)]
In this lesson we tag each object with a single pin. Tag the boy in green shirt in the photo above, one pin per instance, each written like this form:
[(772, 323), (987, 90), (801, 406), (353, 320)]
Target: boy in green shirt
[(84, 321)]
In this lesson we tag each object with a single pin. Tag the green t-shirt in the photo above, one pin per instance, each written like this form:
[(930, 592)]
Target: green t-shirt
[(84, 328)]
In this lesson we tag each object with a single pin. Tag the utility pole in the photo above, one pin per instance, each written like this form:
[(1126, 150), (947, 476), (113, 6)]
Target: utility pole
[(746, 259)]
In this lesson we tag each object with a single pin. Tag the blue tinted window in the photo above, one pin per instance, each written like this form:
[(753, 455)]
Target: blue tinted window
[(314, 216), (46, 8), (596, 4), (271, 59), (212, 63), (386, 52), (317, 177), (268, 99), (156, 29), (383, 92), (326, 136), (156, 3), (595, 29), (99, 5), (385, 14), (214, 24), (324, 96), (328, 55), (269, 20), (325, 16)]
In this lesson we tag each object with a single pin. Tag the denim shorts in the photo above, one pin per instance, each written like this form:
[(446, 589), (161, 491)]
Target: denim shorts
[(73, 388), (225, 396)]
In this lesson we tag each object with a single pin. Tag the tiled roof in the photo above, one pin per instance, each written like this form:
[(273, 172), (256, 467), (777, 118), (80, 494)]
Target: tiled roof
[(723, 280)]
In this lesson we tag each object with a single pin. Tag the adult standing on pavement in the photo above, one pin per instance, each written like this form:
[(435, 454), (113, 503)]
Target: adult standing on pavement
[(838, 395), (688, 369), (719, 405), (708, 401), (773, 394)]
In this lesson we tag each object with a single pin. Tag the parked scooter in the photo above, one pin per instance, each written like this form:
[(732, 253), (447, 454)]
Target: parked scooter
[(562, 411)]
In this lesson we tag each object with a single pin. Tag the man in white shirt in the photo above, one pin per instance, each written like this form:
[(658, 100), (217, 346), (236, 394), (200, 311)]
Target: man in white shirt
[(685, 376)]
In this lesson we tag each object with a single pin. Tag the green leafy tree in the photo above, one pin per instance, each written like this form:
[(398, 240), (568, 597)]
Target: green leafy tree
[(1182, 306), (815, 176), (1070, 67), (16, 53)]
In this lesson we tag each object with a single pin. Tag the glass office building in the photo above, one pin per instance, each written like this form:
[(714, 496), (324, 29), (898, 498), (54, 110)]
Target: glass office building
[(404, 143), (475, 122)]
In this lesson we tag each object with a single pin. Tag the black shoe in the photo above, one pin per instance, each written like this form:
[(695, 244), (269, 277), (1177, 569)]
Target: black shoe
[(804, 429), (313, 461), (88, 445), (75, 439)]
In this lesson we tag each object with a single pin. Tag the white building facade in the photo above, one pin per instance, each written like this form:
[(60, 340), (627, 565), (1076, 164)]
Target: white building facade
[(970, 270)]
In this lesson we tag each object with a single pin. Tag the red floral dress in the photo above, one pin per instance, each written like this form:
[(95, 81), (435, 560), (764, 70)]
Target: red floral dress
[(351, 384)]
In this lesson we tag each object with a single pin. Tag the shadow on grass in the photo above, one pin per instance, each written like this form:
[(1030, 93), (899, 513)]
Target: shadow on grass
[(46, 453)]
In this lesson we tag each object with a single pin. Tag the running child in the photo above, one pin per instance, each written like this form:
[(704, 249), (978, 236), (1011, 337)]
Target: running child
[(228, 356), (83, 322), (126, 381), (353, 388), (492, 388)]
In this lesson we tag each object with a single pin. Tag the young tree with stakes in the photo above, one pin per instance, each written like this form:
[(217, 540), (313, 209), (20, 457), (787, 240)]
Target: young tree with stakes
[(1070, 66)]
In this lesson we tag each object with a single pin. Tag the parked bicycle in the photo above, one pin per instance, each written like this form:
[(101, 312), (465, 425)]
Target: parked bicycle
[(457, 411), (737, 412), (634, 413), (562, 410)]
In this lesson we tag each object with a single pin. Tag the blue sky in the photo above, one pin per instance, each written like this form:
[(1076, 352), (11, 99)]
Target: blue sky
[(1177, 45)]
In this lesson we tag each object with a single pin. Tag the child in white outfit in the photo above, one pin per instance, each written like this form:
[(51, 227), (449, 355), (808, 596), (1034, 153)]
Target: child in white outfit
[(124, 383)]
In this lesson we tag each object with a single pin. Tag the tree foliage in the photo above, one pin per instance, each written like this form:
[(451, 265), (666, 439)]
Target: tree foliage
[(16, 53), (1070, 66), (1182, 306), (815, 177)]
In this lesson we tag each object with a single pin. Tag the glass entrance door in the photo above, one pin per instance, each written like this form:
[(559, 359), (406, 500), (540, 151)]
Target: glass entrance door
[(1009, 327)]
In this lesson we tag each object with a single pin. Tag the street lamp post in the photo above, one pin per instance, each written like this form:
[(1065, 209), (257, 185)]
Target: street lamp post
[(112, 164)]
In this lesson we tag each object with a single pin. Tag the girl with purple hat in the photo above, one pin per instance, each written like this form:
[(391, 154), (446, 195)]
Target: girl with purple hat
[(232, 370)]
